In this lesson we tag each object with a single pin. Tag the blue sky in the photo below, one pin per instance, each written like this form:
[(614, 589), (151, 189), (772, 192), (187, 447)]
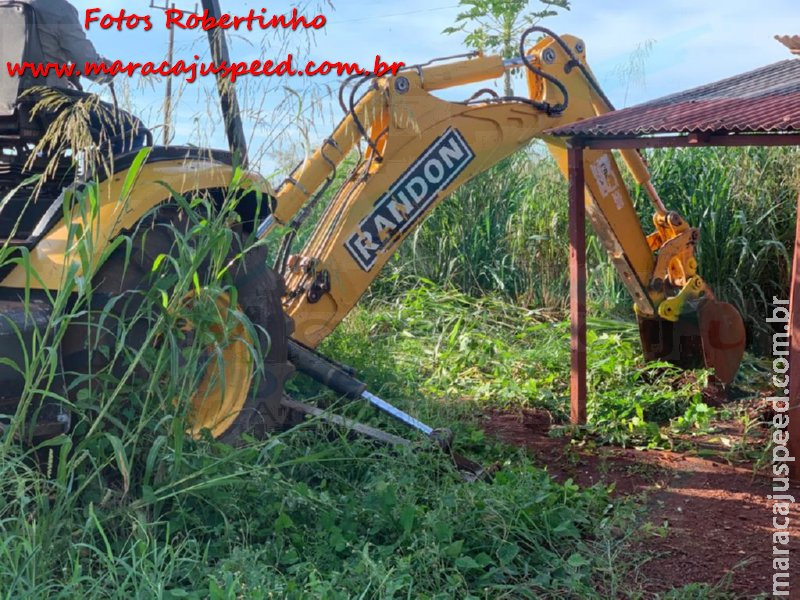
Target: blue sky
[(688, 42)]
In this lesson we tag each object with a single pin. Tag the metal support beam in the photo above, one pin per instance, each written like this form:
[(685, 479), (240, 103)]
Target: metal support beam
[(167, 133), (229, 103), (577, 293), (692, 140), (376, 434), (794, 357)]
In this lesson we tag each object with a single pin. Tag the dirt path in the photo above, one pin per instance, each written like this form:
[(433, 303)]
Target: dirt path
[(709, 519)]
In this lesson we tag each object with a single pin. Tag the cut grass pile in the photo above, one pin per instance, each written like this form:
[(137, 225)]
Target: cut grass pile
[(473, 354)]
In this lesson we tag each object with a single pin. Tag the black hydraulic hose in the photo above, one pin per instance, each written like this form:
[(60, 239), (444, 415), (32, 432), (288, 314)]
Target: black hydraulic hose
[(483, 91), (573, 60), (595, 86), (551, 109), (342, 88), (357, 121), (282, 260)]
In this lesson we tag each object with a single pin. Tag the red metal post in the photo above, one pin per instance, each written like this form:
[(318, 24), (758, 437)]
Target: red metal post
[(793, 428), (577, 287)]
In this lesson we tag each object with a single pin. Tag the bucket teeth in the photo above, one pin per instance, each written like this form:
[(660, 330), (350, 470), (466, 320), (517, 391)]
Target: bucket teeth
[(677, 342), (711, 336)]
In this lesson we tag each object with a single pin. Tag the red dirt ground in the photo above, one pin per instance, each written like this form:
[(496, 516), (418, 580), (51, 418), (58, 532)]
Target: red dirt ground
[(710, 519)]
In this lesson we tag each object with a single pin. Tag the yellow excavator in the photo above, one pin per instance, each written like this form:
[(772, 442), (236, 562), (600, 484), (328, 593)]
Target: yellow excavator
[(413, 150)]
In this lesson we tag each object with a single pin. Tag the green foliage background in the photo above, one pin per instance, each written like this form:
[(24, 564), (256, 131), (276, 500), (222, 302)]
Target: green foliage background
[(505, 232)]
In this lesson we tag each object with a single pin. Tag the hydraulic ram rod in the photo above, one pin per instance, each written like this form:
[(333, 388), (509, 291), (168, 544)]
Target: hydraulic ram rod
[(337, 378), (340, 379), (396, 413)]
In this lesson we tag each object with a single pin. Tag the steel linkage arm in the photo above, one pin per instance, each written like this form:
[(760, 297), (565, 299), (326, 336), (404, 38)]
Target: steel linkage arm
[(420, 148)]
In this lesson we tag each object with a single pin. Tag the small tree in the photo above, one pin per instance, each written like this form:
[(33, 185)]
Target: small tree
[(496, 25)]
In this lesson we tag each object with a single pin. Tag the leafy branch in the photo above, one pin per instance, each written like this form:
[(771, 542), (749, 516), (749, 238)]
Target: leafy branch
[(496, 25)]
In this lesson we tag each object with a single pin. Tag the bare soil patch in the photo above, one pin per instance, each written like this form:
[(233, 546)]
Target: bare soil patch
[(709, 518)]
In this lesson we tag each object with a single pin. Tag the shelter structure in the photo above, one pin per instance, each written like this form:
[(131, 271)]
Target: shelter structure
[(757, 108)]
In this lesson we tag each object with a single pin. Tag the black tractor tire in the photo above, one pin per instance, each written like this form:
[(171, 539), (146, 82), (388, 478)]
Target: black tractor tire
[(259, 292)]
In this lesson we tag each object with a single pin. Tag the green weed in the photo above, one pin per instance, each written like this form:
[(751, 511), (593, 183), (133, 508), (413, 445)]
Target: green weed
[(127, 506)]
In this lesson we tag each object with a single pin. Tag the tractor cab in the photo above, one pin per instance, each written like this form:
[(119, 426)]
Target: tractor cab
[(16, 17), (37, 160), (20, 131)]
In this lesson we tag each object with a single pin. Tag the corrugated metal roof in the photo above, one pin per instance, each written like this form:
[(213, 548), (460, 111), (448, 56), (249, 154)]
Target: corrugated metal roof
[(766, 100)]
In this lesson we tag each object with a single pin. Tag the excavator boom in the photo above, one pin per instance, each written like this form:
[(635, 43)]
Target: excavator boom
[(419, 148)]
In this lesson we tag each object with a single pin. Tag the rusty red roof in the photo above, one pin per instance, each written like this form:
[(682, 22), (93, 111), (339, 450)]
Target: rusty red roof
[(766, 100)]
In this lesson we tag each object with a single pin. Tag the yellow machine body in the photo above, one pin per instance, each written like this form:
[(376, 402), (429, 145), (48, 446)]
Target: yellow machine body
[(122, 200), (421, 148)]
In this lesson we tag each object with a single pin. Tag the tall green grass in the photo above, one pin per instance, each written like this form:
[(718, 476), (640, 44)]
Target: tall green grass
[(505, 232), (744, 202), (501, 232), (126, 506)]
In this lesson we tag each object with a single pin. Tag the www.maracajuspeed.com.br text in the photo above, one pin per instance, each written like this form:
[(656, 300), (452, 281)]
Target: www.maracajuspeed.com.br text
[(192, 69)]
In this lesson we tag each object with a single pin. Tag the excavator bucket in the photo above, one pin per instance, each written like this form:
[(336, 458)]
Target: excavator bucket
[(710, 335), (723, 336)]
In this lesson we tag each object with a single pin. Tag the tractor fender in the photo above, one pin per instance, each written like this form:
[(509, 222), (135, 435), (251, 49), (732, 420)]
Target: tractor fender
[(113, 205)]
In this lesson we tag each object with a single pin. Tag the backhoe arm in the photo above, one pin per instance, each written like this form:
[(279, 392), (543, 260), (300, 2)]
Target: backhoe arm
[(420, 148)]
